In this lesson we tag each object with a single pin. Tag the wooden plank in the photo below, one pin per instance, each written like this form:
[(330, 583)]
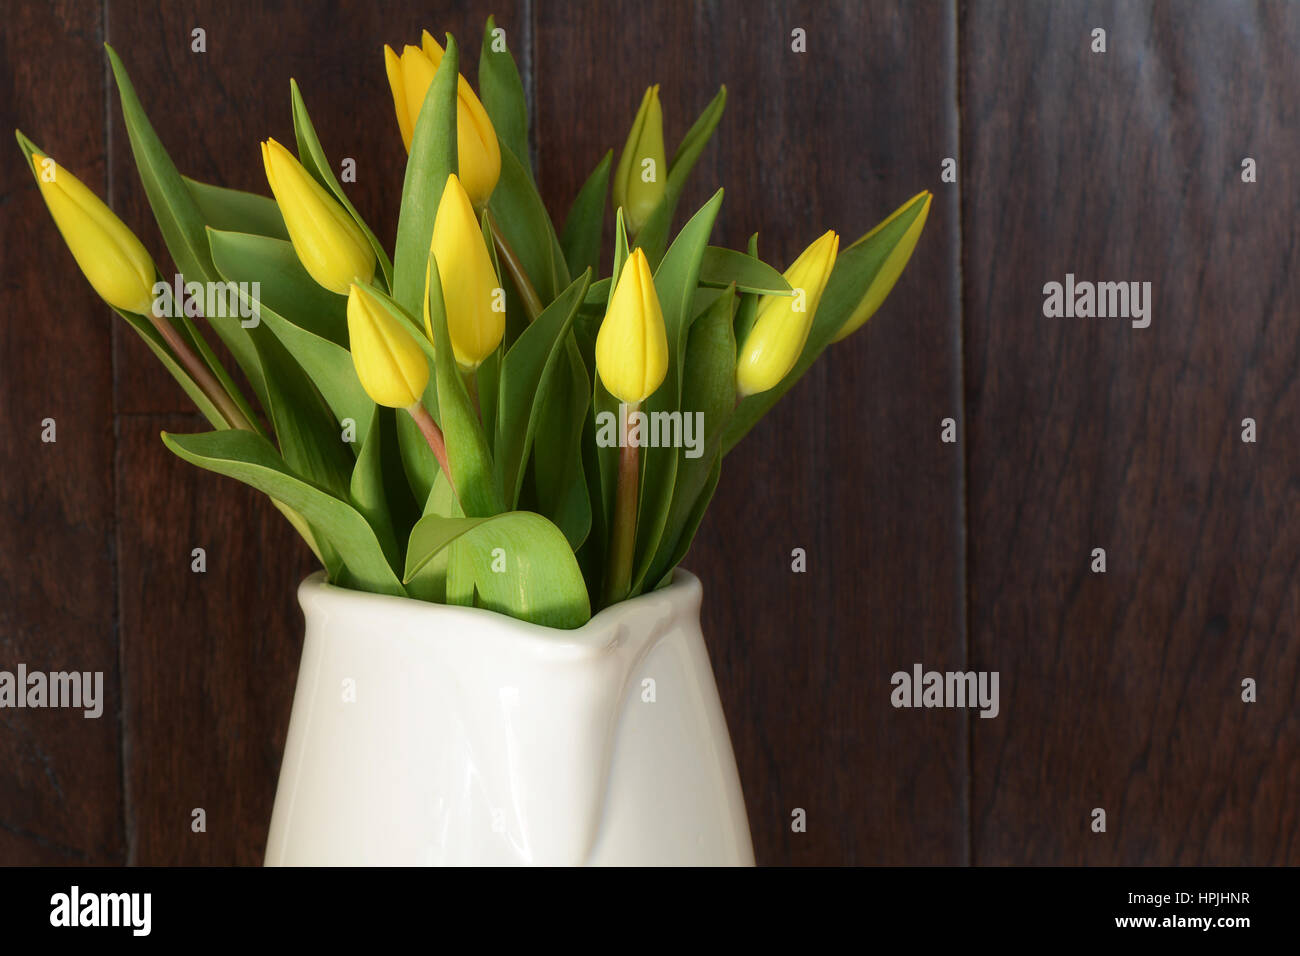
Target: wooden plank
[(60, 791), (849, 466), (1122, 691), (210, 658)]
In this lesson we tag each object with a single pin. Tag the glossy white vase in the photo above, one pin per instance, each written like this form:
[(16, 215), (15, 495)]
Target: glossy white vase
[(426, 734)]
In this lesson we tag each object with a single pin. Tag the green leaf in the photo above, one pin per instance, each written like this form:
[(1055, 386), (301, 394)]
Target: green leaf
[(312, 157), (621, 252), (178, 216), (403, 509), (460, 575), (432, 534), (429, 583), (693, 521), (442, 500), (285, 285), (235, 211), (675, 282), (432, 160), (366, 490), (418, 464), (693, 143), (487, 379), (592, 555), (182, 227), (502, 93), (27, 147), (597, 298), (591, 313), (605, 413), (541, 582), (521, 216), (308, 437), (580, 238), (524, 388), (472, 473), (487, 376), (747, 313), (855, 269), (653, 237), (558, 474), (251, 459), (705, 298), (722, 267), (309, 443), (708, 396)]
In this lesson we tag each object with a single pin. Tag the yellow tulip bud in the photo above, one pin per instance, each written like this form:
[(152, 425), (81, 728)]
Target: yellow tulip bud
[(469, 282), (478, 154), (641, 176), (782, 323), (108, 253), (330, 245), (389, 362), (632, 344), (891, 268)]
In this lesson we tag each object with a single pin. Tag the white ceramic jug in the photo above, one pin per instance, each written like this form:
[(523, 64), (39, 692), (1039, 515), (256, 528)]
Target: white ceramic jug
[(429, 734)]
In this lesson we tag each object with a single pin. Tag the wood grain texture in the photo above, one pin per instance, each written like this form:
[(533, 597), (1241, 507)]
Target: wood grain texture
[(209, 658), (848, 466), (1123, 690), (60, 785), (1119, 691)]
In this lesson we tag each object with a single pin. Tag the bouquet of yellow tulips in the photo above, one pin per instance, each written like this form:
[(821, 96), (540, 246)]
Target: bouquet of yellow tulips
[(481, 419)]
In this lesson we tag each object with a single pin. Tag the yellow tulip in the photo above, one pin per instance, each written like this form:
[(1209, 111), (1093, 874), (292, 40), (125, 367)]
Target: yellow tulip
[(330, 245), (108, 253), (478, 154), (640, 179), (632, 344), (891, 268), (782, 322), (469, 282), (389, 362)]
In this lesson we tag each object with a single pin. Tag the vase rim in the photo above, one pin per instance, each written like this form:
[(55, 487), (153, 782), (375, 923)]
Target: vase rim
[(684, 589)]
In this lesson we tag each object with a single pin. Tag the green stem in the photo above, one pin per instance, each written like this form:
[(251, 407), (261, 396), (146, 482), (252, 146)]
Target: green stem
[(622, 548), (202, 375), (510, 259), (433, 435)]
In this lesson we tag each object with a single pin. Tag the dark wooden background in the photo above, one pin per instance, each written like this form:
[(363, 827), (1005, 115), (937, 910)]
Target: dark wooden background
[(1119, 691)]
